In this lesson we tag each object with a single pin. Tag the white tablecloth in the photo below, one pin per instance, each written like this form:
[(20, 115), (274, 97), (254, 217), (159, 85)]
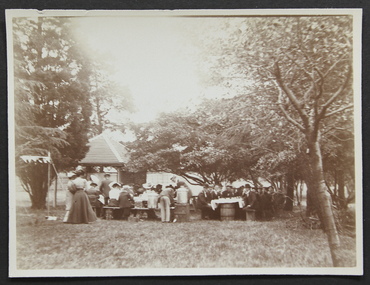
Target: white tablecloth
[(215, 203)]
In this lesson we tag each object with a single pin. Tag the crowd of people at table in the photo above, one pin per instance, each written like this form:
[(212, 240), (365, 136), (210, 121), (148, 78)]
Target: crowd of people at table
[(83, 196), (261, 200)]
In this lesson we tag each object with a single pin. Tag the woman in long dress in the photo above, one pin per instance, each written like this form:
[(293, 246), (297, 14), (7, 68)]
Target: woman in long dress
[(81, 211), (69, 195)]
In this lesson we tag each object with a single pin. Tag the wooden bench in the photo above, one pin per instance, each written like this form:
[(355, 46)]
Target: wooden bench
[(140, 211), (109, 211)]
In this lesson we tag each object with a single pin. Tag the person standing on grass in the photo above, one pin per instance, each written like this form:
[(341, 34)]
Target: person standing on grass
[(253, 202), (266, 203), (104, 188), (204, 203), (81, 211), (93, 194), (69, 194), (125, 202), (214, 193), (166, 199)]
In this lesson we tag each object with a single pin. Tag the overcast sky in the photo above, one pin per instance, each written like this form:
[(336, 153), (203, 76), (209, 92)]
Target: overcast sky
[(153, 56)]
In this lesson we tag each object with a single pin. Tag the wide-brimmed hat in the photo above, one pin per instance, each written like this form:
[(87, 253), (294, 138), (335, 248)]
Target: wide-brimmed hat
[(71, 174), (112, 184), (106, 174), (93, 183), (126, 187), (147, 185)]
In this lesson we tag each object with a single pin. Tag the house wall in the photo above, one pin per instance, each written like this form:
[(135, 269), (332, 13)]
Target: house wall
[(164, 179), (138, 178)]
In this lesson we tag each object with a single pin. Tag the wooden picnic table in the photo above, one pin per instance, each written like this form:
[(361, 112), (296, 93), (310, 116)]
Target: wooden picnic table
[(137, 210)]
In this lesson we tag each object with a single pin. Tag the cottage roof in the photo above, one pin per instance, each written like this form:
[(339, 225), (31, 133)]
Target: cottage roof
[(105, 151)]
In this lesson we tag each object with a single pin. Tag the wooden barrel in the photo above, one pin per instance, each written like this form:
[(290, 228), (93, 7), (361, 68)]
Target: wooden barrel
[(227, 212), (182, 212)]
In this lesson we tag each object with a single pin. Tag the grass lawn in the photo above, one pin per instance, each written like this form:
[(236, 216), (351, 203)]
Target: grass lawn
[(282, 242)]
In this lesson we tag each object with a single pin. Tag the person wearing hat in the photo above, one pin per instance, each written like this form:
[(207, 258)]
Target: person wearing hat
[(93, 194), (104, 187), (252, 202), (246, 190), (228, 192), (69, 195), (114, 194), (125, 202), (239, 191), (147, 189), (204, 203), (165, 199), (266, 203), (81, 211)]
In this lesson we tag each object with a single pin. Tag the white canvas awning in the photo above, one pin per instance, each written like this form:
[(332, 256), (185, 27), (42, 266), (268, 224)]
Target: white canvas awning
[(33, 158)]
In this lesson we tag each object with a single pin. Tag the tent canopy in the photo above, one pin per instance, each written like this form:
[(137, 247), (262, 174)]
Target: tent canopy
[(105, 152), (41, 159)]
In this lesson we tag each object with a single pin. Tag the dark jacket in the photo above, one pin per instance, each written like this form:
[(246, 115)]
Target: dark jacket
[(169, 193), (104, 187), (125, 200), (253, 200), (214, 195), (238, 192), (266, 201), (203, 199), (227, 193)]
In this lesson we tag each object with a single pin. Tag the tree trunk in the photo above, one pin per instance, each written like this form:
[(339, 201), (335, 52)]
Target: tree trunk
[(55, 202), (255, 181), (342, 199), (297, 194), (289, 192), (321, 198)]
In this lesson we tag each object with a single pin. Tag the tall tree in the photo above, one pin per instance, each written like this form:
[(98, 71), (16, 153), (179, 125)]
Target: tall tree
[(305, 64), (52, 108), (106, 95), (190, 145)]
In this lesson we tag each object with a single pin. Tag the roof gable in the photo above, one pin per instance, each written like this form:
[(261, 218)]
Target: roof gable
[(105, 152)]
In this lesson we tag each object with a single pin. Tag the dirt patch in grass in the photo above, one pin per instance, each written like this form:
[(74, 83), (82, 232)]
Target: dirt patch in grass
[(43, 244)]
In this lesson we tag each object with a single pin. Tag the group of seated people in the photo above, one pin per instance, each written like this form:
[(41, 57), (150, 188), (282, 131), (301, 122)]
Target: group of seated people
[(118, 196), (113, 194), (260, 200)]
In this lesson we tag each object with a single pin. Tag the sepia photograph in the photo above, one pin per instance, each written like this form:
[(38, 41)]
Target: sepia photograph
[(184, 142)]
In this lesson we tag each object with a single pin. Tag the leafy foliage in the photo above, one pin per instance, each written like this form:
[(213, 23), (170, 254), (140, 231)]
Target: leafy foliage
[(52, 108), (191, 145), (304, 64), (106, 95)]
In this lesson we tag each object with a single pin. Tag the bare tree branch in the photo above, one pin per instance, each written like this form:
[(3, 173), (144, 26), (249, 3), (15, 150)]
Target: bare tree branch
[(306, 95), (300, 66), (290, 119), (338, 110), (185, 175), (293, 99), (333, 65), (336, 94)]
